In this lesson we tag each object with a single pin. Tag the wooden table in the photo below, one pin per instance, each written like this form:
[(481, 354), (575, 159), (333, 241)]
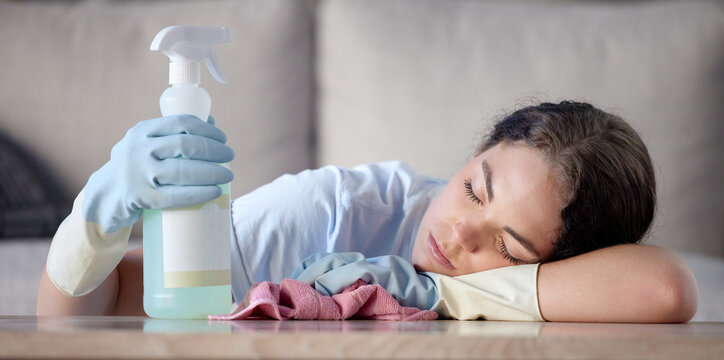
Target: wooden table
[(141, 337)]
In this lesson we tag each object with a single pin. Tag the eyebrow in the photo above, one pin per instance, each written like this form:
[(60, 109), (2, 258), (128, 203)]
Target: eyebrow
[(523, 241), (488, 174)]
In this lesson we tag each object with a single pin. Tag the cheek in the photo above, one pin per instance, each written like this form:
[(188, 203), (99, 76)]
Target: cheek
[(446, 203)]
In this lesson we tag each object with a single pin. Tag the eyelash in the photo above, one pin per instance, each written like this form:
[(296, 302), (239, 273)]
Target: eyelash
[(504, 251), (470, 194)]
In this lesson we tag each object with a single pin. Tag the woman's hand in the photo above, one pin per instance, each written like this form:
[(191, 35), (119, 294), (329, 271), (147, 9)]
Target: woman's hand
[(623, 283), (331, 273), (146, 172)]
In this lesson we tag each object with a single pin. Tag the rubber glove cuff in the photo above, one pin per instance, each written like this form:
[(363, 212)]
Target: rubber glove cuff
[(82, 255), (508, 293)]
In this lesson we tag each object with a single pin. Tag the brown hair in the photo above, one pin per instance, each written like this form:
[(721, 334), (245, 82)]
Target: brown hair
[(600, 160)]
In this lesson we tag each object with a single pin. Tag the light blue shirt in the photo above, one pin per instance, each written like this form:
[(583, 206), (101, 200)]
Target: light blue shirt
[(372, 209)]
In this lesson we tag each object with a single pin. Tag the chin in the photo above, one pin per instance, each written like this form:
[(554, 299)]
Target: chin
[(420, 267)]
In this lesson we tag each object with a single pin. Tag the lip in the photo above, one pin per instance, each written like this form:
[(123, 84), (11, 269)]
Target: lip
[(437, 253)]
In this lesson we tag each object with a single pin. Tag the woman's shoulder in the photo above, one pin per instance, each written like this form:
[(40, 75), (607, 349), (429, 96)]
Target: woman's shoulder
[(384, 185), (388, 186), (378, 172), (378, 176)]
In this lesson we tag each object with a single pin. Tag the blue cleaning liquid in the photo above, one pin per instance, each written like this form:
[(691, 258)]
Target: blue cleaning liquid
[(159, 301)]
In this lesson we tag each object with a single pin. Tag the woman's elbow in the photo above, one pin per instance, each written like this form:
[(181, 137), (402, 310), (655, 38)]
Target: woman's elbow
[(678, 293)]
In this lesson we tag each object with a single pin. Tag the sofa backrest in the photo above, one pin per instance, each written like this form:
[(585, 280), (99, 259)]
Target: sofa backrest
[(419, 80)]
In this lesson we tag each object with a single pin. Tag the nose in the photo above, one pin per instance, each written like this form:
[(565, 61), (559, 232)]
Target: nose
[(467, 235)]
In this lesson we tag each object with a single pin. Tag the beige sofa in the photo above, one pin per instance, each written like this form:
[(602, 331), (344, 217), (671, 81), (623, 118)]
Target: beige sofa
[(347, 82)]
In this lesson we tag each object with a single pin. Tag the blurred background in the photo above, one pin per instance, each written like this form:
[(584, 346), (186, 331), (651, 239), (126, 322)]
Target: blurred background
[(348, 82)]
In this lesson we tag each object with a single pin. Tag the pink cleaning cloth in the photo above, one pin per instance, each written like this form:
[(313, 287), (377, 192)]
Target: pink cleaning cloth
[(294, 299)]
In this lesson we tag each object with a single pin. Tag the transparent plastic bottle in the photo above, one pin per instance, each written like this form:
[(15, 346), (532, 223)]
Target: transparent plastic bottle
[(196, 302), (186, 251)]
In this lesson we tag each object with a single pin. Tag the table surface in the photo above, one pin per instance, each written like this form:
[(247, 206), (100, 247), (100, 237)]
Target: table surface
[(142, 337)]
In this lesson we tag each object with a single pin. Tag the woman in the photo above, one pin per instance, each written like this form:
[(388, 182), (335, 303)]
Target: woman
[(553, 184)]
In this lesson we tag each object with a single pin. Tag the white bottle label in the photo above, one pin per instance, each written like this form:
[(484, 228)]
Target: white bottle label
[(196, 244)]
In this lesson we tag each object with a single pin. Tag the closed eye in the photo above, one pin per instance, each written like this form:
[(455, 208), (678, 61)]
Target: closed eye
[(506, 254), (470, 193)]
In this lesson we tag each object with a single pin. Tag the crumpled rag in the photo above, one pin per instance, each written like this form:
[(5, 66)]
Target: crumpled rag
[(293, 299)]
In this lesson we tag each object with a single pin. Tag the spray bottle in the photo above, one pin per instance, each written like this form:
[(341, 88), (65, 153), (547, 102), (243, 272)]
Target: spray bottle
[(186, 259)]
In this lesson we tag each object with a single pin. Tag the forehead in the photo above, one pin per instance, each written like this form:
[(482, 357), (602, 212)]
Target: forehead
[(527, 194)]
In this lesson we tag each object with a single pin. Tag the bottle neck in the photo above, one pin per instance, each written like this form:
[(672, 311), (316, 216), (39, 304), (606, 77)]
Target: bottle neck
[(184, 73)]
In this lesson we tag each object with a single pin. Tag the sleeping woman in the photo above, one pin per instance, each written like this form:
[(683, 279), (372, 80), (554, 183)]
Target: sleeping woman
[(541, 224)]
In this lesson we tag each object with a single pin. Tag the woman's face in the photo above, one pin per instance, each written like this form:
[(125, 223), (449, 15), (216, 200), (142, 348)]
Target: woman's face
[(502, 208)]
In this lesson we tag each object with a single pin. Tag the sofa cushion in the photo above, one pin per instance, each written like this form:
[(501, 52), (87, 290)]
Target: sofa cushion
[(418, 80)]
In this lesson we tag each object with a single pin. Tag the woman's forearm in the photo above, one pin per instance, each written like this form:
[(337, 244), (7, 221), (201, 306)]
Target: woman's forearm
[(624, 283), (100, 301), (121, 293)]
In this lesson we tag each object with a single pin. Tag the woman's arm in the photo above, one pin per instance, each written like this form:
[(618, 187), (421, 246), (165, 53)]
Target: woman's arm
[(624, 283), (120, 294)]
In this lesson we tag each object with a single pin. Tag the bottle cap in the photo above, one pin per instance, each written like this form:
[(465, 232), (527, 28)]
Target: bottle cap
[(186, 46)]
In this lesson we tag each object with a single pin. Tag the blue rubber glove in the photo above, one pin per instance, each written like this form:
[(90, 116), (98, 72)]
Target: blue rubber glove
[(332, 273), (146, 172)]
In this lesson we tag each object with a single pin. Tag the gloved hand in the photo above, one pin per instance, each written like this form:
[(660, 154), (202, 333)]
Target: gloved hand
[(508, 293), (145, 172), (331, 273)]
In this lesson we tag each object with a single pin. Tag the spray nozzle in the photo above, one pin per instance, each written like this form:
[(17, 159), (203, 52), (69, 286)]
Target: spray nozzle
[(186, 46)]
